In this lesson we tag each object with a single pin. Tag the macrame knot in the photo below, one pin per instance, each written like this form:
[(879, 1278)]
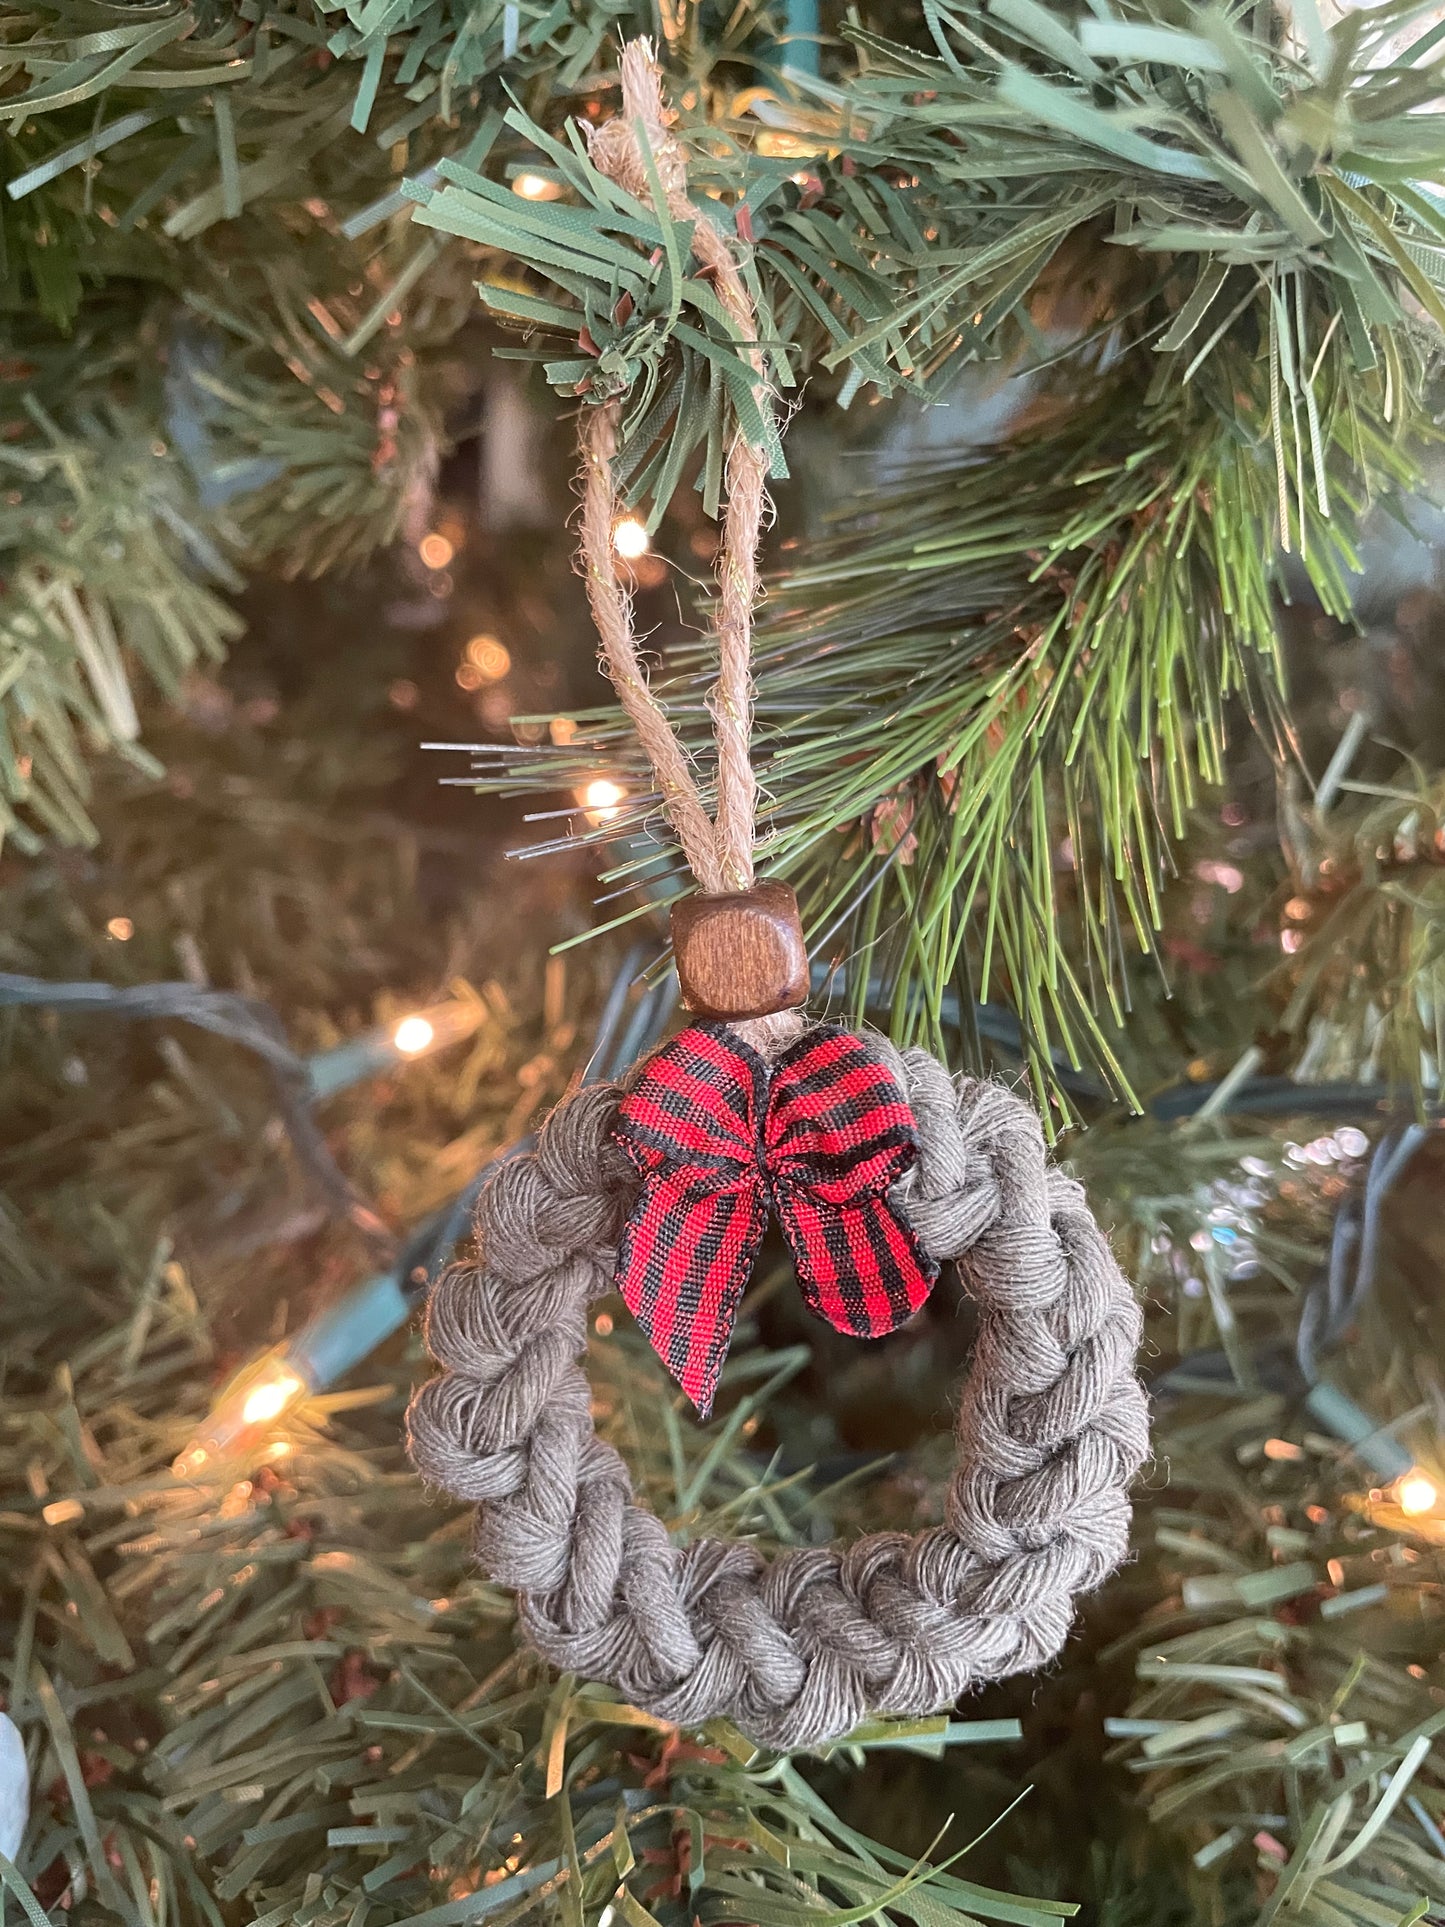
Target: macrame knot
[(1052, 1426)]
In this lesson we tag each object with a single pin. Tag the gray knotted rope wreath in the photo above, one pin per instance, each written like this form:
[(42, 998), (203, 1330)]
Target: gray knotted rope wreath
[(797, 1650)]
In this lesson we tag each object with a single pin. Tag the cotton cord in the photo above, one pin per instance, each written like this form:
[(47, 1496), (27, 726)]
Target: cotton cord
[(796, 1650), (638, 151)]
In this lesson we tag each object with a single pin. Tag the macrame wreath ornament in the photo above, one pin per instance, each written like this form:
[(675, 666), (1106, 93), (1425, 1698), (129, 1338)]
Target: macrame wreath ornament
[(879, 1169)]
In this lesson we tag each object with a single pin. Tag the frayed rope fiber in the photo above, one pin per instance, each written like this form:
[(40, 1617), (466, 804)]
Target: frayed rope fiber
[(796, 1650)]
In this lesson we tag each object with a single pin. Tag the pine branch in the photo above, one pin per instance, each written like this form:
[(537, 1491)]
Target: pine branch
[(1243, 182), (1174, 196), (1054, 633), (107, 563), (1277, 1727), (1273, 292), (151, 455)]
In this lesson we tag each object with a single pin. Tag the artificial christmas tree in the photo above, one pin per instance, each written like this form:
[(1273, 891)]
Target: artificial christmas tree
[(1094, 764)]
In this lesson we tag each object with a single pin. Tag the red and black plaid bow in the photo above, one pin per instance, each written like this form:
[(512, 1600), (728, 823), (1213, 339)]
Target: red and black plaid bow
[(719, 1142)]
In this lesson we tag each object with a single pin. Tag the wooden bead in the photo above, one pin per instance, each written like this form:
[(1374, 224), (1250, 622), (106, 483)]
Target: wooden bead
[(740, 956)]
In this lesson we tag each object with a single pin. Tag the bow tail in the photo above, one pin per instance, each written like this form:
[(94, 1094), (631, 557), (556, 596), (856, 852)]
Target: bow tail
[(684, 1259), (859, 1265)]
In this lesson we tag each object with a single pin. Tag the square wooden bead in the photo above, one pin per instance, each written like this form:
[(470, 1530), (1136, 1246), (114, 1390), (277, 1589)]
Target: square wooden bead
[(740, 956)]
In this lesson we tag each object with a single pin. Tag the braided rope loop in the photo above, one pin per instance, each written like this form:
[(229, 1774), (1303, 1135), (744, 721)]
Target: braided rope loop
[(796, 1650)]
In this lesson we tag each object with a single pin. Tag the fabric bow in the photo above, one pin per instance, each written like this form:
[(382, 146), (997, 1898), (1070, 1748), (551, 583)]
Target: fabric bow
[(719, 1142)]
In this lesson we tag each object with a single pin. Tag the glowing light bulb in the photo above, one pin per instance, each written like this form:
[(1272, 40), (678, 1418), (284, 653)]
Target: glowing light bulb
[(535, 187), (263, 1392), (1417, 1493), (269, 1399), (602, 800), (630, 538), (413, 1034), (121, 928), (435, 550)]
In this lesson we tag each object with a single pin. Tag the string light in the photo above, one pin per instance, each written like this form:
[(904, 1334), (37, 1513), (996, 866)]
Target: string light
[(536, 187), (334, 1341), (1417, 1493), (1411, 1503), (269, 1400), (121, 928), (260, 1395), (436, 550), (783, 144), (602, 799), (630, 538), (413, 1035)]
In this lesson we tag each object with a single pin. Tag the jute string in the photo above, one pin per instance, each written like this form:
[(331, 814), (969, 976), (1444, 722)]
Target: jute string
[(798, 1649), (632, 149)]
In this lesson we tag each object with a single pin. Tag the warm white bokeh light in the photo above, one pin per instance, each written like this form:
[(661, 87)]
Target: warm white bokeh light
[(491, 659), (413, 1034), (630, 538), (1417, 1493), (535, 187), (602, 799)]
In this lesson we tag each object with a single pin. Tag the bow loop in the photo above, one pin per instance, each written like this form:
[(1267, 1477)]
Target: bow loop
[(718, 1142), (837, 1125), (698, 1100)]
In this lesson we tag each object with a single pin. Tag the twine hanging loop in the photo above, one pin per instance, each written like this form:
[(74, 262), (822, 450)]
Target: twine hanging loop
[(635, 149)]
